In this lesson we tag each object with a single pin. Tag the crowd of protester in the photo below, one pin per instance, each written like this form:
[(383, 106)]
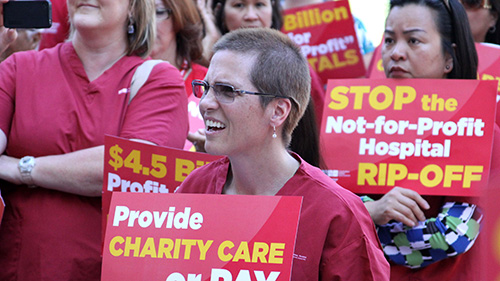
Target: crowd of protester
[(63, 89)]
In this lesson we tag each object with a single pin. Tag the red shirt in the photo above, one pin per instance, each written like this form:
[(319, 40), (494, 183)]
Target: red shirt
[(59, 30), (49, 107), (196, 71), (336, 238), (465, 266)]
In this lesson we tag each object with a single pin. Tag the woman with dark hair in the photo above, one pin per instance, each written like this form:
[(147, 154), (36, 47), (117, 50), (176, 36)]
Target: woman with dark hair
[(213, 14), (428, 39), (220, 18), (450, 21), (229, 15), (484, 19), (179, 36), (178, 40)]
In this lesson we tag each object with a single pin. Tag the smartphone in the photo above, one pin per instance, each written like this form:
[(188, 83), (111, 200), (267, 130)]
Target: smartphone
[(27, 14)]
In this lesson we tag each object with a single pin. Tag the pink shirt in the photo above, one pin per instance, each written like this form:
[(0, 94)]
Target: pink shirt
[(196, 71), (49, 107), (65, 112)]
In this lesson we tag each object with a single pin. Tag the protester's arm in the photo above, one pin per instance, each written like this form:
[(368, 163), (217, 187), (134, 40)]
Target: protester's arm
[(452, 232), (79, 172), (212, 33), (7, 36), (400, 204)]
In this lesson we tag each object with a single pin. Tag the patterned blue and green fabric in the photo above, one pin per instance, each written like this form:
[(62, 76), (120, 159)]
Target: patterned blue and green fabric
[(453, 232)]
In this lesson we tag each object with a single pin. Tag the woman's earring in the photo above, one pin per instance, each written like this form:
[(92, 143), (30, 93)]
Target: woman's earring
[(130, 27), (492, 29), (447, 67), (274, 134)]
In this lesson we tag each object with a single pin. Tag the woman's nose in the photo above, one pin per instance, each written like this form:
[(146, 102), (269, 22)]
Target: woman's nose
[(398, 52), (208, 102), (251, 13)]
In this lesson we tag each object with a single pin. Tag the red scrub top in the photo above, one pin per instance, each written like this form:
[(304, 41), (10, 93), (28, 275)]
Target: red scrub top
[(49, 107), (336, 238)]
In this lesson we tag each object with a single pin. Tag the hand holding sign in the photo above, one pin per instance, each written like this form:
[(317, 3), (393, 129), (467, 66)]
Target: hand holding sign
[(410, 133), (400, 204), (200, 237)]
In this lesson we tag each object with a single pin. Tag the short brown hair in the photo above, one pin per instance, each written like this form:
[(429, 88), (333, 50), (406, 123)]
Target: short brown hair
[(279, 68)]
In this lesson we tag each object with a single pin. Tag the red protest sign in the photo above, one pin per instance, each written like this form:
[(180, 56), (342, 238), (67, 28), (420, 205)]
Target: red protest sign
[(131, 166), (488, 66), (200, 237), (433, 136), (327, 38), (490, 241), (376, 68), (488, 59)]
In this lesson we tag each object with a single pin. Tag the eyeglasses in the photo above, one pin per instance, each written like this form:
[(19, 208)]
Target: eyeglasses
[(476, 4), (163, 13), (225, 93)]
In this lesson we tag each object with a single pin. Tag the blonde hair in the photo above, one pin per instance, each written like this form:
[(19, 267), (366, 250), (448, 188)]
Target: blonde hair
[(142, 17)]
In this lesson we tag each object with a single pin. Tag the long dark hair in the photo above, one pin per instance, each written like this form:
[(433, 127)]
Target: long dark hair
[(305, 137), (456, 37), (493, 36), (188, 30)]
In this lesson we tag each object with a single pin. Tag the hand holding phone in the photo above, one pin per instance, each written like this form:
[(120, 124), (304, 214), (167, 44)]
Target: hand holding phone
[(27, 14), (1, 11), (7, 36)]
